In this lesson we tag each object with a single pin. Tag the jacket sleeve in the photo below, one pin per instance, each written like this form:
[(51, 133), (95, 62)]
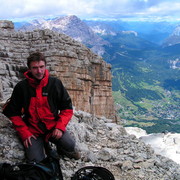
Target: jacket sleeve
[(65, 107), (20, 127), (13, 111)]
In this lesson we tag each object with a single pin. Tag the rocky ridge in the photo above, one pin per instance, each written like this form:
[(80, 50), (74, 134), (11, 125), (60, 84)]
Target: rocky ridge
[(85, 75), (167, 144)]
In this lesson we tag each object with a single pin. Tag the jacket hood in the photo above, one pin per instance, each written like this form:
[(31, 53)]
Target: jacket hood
[(34, 82)]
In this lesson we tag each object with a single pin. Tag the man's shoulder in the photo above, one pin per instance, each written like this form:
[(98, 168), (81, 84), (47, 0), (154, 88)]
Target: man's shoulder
[(21, 86), (53, 79), (22, 83)]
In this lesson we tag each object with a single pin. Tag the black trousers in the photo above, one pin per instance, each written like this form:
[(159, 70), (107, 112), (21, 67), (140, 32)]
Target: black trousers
[(36, 152)]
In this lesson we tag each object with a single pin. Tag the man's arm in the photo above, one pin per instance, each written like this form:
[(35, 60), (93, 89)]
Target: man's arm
[(13, 111), (65, 107)]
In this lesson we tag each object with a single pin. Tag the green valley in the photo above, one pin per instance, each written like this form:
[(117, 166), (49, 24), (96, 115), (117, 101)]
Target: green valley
[(145, 86)]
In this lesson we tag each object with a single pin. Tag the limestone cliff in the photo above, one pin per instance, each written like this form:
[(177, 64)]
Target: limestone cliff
[(85, 75)]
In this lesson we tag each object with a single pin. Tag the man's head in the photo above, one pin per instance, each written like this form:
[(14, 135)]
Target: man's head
[(37, 65)]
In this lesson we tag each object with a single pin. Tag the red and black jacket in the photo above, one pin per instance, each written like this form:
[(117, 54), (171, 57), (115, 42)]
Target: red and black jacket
[(44, 103)]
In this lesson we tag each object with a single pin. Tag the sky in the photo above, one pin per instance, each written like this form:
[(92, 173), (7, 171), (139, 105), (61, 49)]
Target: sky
[(91, 9)]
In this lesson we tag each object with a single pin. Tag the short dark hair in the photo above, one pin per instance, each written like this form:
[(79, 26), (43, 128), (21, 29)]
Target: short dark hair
[(37, 56)]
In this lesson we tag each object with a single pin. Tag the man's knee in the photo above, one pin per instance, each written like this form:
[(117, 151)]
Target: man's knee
[(67, 147), (35, 152), (66, 142)]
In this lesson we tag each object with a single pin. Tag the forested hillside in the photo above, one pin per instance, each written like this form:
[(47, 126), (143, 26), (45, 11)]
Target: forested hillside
[(146, 82)]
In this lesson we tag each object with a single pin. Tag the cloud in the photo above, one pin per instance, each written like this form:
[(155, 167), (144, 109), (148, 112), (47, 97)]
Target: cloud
[(89, 8), (142, 7), (165, 8), (25, 8)]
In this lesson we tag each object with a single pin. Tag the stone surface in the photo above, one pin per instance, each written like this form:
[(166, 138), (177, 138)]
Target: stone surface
[(100, 144), (8, 25)]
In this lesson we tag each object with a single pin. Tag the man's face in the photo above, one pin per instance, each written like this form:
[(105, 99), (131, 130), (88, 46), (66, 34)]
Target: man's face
[(37, 69)]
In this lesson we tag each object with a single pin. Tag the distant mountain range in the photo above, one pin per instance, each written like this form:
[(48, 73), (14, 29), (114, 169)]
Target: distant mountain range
[(90, 32), (174, 38), (145, 59)]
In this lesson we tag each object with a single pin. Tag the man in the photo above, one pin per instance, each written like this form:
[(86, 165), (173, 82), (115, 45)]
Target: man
[(40, 109)]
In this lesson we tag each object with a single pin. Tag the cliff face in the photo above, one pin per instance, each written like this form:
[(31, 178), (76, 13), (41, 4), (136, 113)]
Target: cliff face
[(85, 75)]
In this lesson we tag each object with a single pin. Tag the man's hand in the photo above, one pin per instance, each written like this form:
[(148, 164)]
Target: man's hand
[(27, 142), (57, 133)]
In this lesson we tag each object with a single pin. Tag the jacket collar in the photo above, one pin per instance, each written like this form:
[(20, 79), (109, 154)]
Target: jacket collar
[(34, 82)]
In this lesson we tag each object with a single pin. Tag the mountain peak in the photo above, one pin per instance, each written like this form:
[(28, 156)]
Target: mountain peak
[(72, 26), (73, 17), (67, 20), (174, 38), (177, 31)]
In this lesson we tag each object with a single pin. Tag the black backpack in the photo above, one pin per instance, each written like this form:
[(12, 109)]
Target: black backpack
[(93, 173), (48, 169)]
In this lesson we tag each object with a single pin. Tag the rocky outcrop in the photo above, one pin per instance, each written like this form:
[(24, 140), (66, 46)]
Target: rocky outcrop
[(101, 143), (85, 75), (8, 25), (166, 144)]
